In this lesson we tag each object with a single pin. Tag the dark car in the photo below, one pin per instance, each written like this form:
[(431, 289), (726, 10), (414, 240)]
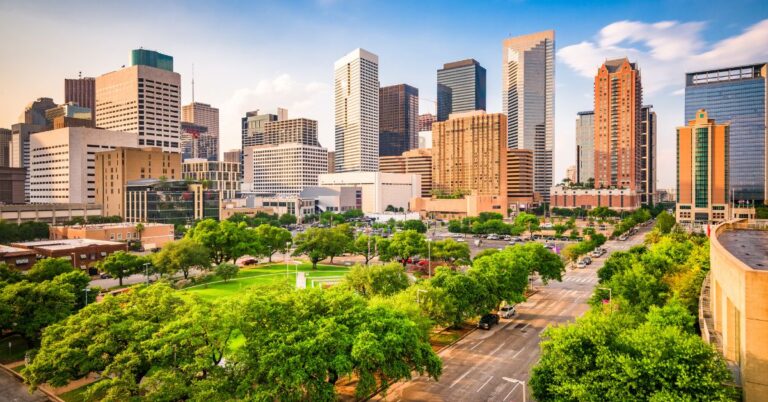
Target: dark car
[(105, 276), (487, 321)]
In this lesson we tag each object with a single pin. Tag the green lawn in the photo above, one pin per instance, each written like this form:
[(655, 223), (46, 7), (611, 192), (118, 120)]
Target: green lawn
[(78, 394), (263, 275)]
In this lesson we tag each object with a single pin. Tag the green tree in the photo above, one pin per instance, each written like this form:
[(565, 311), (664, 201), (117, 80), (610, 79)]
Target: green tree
[(453, 297), (450, 251), (353, 214), (225, 240), (664, 222), (29, 307), (339, 240), (9, 275), (415, 224), (273, 239), (407, 244), (77, 281), (287, 219), (49, 268), (315, 243), (528, 221), (182, 255), (366, 246), (120, 265), (377, 280), (227, 271)]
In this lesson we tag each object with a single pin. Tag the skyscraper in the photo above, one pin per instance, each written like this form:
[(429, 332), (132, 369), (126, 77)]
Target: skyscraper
[(18, 149), (356, 89), (737, 95), (618, 99), (202, 114), (398, 119), (702, 171), (585, 146), (5, 147), (647, 145), (34, 113), (198, 143), (142, 99), (233, 155), (254, 126), (460, 88), (302, 131), (417, 161), (528, 100), (81, 91)]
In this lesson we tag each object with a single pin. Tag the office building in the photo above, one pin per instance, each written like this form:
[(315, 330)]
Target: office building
[(570, 174), (283, 169), (734, 303), (702, 171), (618, 99), (71, 109), (50, 213), (81, 91), (12, 185), (647, 145), (202, 114), (115, 168), (301, 131), (618, 199), (377, 190), (416, 161), (20, 259), (250, 205), (149, 235), (254, 127), (528, 100), (356, 95), (63, 168), (331, 162), (197, 142), (233, 155), (82, 253), (5, 147), (737, 95), (460, 88), (19, 149), (425, 121), (585, 147), (340, 199), (34, 112), (143, 99), (469, 154), (170, 201), (520, 189), (221, 176), (398, 119)]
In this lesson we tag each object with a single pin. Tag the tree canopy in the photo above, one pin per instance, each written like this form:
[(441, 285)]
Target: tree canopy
[(182, 255)]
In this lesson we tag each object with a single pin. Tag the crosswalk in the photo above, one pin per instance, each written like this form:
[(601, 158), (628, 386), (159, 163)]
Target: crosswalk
[(580, 279)]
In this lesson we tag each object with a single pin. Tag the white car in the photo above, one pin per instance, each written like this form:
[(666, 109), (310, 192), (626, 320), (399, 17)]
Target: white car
[(581, 264), (507, 311)]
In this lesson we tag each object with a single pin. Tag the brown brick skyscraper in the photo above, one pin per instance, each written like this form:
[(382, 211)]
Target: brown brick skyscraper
[(83, 92), (618, 100)]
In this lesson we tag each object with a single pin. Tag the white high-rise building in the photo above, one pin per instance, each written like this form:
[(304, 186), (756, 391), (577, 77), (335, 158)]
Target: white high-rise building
[(528, 99), (141, 99), (202, 114), (283, 169), (356, 88), (64, 163)]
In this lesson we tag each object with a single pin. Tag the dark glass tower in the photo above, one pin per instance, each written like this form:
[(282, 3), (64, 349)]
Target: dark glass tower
[(736, 95), (460, 88), (398, 119)]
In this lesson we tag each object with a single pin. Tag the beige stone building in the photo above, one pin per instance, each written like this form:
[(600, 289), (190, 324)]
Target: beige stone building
[(418, 161), (303, 131), (221, 176), (520, 176), (734, 308), (151, 235), (114, 169)]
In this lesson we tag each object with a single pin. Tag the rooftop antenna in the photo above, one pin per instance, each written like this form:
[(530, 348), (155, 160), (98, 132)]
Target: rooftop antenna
[(193, 83), (79, 74)]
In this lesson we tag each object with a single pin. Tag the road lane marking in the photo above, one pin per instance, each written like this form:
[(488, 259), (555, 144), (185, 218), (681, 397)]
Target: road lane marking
[(511, 391), (518, 352), (485, 383), (476, 345), (526, 326), (462, 377), (497, 349)]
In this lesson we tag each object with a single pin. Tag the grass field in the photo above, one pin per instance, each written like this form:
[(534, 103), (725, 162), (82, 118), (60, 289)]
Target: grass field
[(263, 275)]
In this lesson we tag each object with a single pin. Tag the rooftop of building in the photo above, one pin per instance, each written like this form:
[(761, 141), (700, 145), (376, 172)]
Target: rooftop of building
[(615, 64), (586, 112), (9, 250), (65, 244), (461, 63), (98, 226), (748, 245)]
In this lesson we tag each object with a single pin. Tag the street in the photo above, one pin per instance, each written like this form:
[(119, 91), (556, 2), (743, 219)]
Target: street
[(494, 365)]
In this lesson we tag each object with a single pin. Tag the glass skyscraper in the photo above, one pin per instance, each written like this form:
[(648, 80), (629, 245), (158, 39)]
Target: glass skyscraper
[(460, 88), (736, 95)]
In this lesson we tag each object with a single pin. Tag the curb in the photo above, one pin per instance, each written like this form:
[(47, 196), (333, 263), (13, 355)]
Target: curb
[(43, 388)]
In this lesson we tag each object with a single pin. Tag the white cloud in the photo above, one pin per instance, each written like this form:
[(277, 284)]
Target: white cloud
[(665, 50), (311, 100)]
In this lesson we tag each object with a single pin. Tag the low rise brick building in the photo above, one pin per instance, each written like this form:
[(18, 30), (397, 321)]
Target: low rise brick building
[(151, 235), (16, 257), (617, 199), (83, 253)]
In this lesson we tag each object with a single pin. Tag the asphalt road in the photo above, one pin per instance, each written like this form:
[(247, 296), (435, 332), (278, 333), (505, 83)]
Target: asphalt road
[(12, 390), (490, 365)]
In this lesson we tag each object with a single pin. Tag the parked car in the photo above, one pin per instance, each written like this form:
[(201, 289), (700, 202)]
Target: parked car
[(623, 237), (493, 237), (581, 264), (105, 276), (587, 260), (488, 320), (507, 311)]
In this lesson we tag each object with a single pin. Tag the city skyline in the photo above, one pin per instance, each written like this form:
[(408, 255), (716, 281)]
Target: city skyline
[(677, 39)]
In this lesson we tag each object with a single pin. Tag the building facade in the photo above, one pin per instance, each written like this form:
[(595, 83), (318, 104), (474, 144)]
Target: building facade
[(702, 171), (737, 95), (254, 127), (18, 149), (469, 154), (302, 131), (202, 114), (356, 106), (618, 99), (151, 235), (233, 155), (144, 100), (425, 121), (398, 119), (416, 161), (377, 190), (618, 199), (82, 253), (20, 259), (5, 147), (34, 112), (570, 173), (63, 163), (283, 169), (50, 213), (585, 147), (221, 176), (460, 88), (172, 202), (198, 143), (81, 91), (647, 145), (115, 168), (12, 185), (71, 109), (528, 100), (520, 171)]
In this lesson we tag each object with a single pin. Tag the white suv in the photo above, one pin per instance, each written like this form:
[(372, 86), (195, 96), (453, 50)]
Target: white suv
[(507, 311)]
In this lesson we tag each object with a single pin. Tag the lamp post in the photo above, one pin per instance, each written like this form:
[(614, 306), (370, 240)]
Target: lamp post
[(285, 257), (610, 297), (86, 290), (146, 272)]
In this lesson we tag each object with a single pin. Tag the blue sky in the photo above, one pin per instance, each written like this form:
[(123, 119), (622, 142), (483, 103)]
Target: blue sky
[(261, 55)]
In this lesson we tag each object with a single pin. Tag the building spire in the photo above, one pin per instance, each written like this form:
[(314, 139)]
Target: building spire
[(193, 83)]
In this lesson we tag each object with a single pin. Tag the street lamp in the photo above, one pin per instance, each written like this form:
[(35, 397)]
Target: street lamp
[(86, 290), (429, 256), (285, 256), (610, 297), (146, 272), (516, 381)]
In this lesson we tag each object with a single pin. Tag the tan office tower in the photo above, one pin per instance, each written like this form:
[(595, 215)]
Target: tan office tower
[(203, 114), (331, 162), (302, 131), (418, 161), (469, 154), (528, 100), (141, 99), (115, 168), (233, 155), (702, 171), (520, 176), (618, 99)]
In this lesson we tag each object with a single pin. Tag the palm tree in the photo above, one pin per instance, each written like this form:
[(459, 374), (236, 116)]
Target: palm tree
[(139, 229)]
